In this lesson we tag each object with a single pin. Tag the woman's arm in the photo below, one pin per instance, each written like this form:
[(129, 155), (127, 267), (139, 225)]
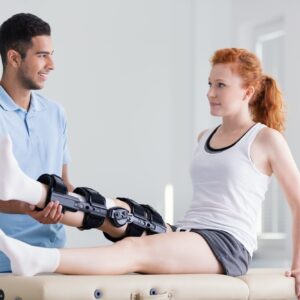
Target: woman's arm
[(286, 171)]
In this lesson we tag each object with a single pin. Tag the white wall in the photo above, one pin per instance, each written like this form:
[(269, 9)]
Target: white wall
[(212, 30)]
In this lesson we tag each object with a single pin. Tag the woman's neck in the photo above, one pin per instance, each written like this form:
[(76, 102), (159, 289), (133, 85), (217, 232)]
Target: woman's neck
[(229, 126)]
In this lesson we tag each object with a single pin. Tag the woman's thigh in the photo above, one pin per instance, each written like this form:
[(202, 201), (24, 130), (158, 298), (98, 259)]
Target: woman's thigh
[(175, 252)]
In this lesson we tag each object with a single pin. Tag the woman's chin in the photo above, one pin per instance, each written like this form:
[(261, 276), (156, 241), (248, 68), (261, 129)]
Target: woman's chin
[(215, 114)]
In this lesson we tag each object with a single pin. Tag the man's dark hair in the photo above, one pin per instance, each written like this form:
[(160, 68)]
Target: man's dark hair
[(16, 33)]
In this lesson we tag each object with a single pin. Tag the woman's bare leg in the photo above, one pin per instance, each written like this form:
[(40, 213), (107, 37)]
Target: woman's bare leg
[(166, 253)]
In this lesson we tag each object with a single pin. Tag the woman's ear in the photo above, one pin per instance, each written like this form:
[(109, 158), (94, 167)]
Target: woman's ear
[(249, 92)]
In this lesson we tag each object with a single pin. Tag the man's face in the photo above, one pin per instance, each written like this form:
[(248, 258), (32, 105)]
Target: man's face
[(37, 64)]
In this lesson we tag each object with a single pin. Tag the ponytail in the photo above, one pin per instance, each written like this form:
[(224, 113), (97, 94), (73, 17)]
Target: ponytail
[(267, 105)]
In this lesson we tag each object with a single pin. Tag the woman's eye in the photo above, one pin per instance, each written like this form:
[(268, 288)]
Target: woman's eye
[(209, 84), (221, 85)]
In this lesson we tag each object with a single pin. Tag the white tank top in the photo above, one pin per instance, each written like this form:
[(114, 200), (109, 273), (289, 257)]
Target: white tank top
[(227, 189)]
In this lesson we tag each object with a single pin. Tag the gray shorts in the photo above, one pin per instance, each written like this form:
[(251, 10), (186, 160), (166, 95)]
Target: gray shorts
[(231, 254)]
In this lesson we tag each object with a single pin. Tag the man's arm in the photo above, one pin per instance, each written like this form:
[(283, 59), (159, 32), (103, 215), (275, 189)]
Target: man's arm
[(15, 207), (51, 214), (65, 178)]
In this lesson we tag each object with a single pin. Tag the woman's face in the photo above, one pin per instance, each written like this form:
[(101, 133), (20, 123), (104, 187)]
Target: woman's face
[(226, 95)]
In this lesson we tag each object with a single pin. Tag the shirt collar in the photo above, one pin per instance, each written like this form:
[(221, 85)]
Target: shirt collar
[(7, 103), (36, 103)]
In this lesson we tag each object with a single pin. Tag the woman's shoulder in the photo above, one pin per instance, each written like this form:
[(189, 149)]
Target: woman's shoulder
[(270, 133), (269, 137)]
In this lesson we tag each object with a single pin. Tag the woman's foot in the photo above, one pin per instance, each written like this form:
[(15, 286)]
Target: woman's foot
[(14, 184), (27, 260)]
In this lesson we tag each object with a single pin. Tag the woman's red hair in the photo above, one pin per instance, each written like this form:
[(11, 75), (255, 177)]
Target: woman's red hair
[(266, 105)]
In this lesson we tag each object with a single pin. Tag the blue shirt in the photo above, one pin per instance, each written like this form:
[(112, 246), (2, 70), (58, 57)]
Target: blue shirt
[(40, 146)]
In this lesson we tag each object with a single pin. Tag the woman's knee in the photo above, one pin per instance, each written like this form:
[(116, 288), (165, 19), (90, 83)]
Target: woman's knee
[(132, 250), (138, 249)]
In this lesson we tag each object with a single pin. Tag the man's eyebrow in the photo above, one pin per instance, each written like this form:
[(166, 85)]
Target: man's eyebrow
[(45, 52)]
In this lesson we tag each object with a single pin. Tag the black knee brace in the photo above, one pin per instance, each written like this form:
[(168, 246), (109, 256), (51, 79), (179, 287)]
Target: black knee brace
[(143, 218), (94, 208)]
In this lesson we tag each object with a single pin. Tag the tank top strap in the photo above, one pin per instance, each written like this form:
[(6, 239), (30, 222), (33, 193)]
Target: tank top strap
[(249, 137)]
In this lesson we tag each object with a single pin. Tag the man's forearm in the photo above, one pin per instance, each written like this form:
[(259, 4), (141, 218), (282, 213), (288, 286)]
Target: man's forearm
[(14, 207)]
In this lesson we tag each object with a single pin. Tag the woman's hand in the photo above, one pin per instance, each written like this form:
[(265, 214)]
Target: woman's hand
[(296, 274)]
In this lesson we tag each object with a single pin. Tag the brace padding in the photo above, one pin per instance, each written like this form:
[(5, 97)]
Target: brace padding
[(95, 215), (142, 218)]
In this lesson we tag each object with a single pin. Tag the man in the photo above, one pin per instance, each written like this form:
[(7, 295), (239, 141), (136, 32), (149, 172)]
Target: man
[(37, 128)]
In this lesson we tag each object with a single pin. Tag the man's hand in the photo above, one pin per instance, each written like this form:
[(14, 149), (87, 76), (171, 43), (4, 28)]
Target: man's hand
[(51, 214)]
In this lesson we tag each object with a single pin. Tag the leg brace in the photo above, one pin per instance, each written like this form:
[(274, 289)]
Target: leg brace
[(141, 218)]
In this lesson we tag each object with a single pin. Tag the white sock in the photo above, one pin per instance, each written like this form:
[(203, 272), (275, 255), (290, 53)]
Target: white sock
[(14, 184), (27, 260)]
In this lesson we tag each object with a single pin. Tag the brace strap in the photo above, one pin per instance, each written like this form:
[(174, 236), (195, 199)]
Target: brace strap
[(95, 208), (55, 184), (142, 218)]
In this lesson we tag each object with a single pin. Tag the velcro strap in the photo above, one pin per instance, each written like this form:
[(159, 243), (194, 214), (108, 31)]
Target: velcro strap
[(155, 218), (144, 218), (135, 229), (92, 219)]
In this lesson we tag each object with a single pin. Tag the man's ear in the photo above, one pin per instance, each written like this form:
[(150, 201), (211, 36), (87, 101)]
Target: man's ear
[(13, 58)]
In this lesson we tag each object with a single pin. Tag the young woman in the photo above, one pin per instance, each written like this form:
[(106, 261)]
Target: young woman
[(230, 170)]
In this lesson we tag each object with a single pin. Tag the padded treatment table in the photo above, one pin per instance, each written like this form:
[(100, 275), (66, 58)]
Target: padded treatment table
[(257, 284)]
